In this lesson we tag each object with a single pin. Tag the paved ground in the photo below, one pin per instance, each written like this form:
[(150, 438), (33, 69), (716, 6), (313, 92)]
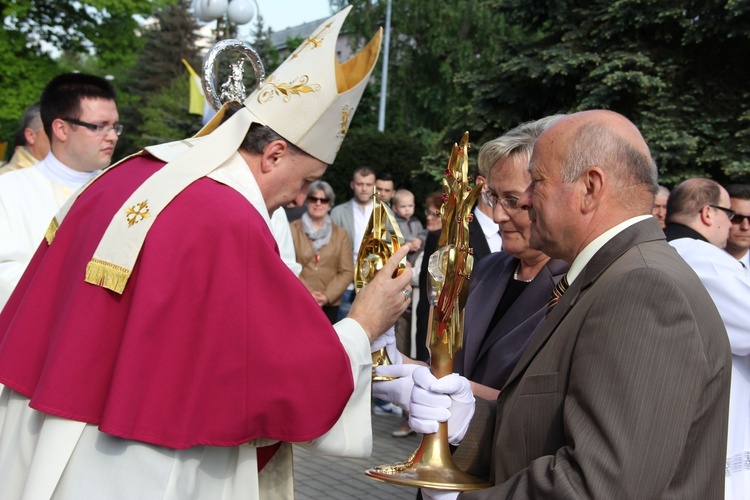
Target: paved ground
[(343, 478)]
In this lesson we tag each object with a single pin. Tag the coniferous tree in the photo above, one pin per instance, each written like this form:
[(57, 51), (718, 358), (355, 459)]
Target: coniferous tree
[(671, 67), (158, 85), (42, 38), (170, 38), (261, 42)]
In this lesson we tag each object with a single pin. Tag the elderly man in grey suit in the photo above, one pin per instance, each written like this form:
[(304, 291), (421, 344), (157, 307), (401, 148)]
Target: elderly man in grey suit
[(624, 390)]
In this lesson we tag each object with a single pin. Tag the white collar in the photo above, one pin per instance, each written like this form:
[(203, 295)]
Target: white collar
[(236, 174), (745, 260), (590, 250), (489, 227), (58, 173)]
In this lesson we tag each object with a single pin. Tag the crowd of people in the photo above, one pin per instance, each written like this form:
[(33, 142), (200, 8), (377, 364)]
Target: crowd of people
[(167, 326)]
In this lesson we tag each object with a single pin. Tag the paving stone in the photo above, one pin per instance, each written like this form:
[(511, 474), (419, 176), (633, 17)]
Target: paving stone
[(335, 478)]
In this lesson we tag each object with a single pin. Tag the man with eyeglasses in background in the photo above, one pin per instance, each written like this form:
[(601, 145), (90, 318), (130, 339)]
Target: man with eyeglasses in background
[(699, 221), (738, 243), (80, 119)]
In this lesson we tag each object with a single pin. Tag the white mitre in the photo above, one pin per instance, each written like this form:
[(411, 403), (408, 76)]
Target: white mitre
[(309, 100)]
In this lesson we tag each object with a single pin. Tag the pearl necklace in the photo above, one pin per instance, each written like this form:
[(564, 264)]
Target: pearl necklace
[(515, 274)]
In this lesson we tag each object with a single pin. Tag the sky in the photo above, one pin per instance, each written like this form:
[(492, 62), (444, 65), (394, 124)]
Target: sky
[(282, 14)]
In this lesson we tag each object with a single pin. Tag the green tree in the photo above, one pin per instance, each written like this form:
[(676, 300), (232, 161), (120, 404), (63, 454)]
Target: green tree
[(432, 46), (23, 76), (671, 67), (154, 106), (383, 152), (261, 42), (42, 38), (165, 116), (106, 28), (431, 43), (169, 38)]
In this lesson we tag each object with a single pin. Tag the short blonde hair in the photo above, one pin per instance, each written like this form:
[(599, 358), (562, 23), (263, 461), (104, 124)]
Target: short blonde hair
[(517, 141)]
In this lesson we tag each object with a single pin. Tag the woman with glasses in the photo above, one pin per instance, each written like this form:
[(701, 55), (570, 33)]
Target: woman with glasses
[(510, 289), (323, 250)]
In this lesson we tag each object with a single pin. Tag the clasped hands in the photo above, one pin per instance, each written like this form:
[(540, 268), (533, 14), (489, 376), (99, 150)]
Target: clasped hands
[(430, 401)]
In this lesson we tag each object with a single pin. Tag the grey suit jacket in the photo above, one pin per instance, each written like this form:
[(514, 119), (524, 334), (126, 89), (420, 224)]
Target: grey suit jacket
[(342, 216), (491, 364), (623, 391)]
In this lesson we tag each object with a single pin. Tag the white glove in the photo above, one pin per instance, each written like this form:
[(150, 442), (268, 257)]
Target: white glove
[(447, 399), (431, 494), (396, 391), (387, 340)]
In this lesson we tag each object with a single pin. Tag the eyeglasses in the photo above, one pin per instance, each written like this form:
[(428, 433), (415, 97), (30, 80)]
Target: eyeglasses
[(739, 218), (97, 129), (730, 213), (431, 213), (509, 203), (315, 199)]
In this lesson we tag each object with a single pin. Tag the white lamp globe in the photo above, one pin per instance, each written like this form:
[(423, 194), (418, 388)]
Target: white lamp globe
[(241, 11), (199, 11), (214, 9)]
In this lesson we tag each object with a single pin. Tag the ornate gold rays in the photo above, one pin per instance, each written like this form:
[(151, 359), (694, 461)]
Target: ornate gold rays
[(450, 267), (448, 286), (382, 238)]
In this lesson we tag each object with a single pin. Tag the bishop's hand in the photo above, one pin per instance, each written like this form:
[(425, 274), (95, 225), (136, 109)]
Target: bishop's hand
[(384, 299)]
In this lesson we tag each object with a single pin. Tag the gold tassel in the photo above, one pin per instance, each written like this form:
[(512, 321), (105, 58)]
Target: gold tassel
[(107, 275), (51, 231)]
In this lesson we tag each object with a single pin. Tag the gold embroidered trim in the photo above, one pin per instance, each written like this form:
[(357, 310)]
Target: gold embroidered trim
[(346, 118), (107, 275), (51, 231), (137, 213), (295, 87), (315, 40)]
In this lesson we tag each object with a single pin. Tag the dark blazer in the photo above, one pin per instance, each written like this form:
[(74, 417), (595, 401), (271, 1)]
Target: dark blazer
[(491, 364), (342, 216), (623, 391)]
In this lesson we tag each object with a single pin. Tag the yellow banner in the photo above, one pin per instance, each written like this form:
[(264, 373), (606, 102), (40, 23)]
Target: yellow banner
[(197, 99)]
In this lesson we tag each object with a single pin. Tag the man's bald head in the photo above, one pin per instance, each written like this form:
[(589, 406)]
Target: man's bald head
[(612, 142), (590, 171)]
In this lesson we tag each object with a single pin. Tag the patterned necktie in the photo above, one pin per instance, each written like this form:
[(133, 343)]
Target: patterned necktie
[(557, 293)]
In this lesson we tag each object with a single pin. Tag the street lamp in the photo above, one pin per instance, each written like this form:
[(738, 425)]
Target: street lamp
[(236, 12), (384, 76)]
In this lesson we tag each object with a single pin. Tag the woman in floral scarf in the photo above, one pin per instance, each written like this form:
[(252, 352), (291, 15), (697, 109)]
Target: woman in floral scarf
[(323, 250)]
